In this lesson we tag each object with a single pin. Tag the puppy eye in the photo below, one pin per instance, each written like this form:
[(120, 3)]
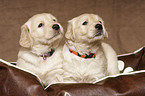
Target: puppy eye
[(85, 23), (54, 19), (40, 25), (100, 21)]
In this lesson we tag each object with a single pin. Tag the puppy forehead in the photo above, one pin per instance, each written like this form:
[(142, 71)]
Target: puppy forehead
[(86, 17), (41, 17), (90, 16)]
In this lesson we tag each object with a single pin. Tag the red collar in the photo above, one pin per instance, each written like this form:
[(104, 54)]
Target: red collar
[(50, 53), (91, 55)]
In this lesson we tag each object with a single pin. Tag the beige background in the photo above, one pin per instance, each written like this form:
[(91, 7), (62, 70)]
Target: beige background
[(124, 20)]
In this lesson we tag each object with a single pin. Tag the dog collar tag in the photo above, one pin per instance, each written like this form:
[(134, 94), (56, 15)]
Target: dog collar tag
[(50, 53)]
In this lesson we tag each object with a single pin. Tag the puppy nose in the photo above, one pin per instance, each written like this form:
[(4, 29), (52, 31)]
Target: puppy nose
[(55, 27), (98, 26)]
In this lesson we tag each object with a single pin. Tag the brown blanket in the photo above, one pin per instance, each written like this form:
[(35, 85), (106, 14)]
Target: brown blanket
[(16, 82)]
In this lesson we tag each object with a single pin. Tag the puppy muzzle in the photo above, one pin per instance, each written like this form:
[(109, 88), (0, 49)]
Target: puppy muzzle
[(57, 28), (99, 30), (99, 33), (99, 27)]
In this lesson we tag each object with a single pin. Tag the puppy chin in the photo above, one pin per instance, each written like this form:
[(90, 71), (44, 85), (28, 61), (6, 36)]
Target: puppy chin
[(50, 40), (56, 37), (96, 38)]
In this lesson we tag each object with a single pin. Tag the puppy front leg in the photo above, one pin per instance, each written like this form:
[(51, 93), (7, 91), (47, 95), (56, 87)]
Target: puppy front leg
[(112, 64)]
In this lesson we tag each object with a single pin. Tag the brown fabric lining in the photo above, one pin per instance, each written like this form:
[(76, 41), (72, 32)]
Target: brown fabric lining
[(15, 82)]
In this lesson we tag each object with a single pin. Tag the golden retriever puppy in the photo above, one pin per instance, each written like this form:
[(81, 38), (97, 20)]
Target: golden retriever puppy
[(86, 57), (40, 51)]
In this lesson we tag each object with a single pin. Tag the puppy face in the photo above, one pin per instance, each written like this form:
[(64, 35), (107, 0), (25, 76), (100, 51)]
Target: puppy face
[(41, 28), (86, 28)]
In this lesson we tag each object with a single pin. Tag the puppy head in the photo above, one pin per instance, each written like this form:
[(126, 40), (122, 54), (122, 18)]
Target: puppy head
[(41, 28), (86, 28)]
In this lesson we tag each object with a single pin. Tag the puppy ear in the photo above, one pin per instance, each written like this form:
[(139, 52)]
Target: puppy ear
[(104, 29), (106, 33), (25, 38), (69, 32)]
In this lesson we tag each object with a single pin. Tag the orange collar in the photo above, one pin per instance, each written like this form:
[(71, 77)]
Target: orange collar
[(91, 55)]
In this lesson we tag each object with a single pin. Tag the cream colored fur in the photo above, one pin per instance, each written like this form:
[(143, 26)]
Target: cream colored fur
[(82, 39), (36, 41)]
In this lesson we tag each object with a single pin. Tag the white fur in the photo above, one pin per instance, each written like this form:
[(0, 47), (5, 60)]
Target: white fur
[(36, 41), (80, 38), (121, 65), (128, 70)]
